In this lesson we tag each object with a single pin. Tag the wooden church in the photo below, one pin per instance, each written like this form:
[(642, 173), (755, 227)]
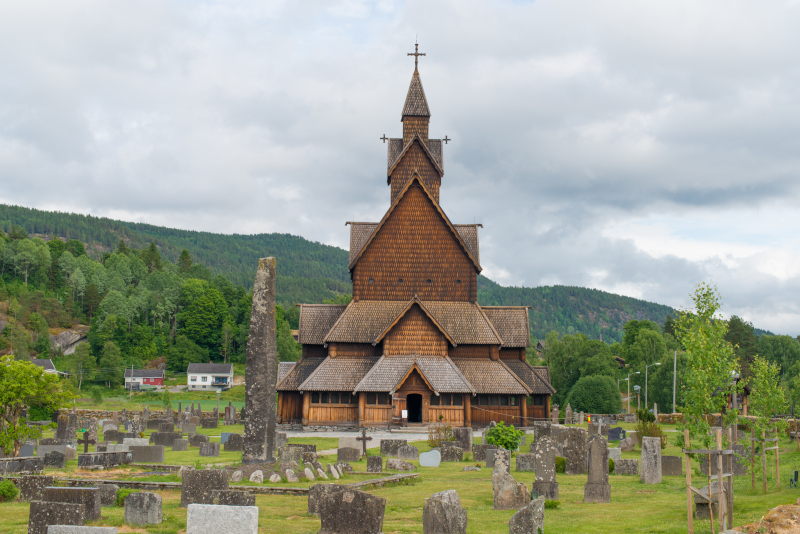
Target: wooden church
[(413, 340)]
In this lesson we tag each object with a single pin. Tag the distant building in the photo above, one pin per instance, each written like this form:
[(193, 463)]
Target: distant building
[(143, 377), (209, 376), (46, 364)]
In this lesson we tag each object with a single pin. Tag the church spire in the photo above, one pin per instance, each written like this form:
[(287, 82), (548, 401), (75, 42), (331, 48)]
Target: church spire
[(416, 103)]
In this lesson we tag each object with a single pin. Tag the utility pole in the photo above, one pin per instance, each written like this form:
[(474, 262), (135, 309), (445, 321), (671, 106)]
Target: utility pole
[(130, 385), (674, 379)]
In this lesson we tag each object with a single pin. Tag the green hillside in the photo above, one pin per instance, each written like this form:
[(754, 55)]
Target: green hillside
[(312, 272)]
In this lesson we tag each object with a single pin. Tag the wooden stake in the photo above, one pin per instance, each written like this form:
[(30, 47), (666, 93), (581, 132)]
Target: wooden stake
[(689, 507), (752, 460), (764, 458), (777, 459), (723, 501), (730, 483)]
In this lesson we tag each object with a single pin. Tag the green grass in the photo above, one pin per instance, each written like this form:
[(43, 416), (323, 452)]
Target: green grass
[(634, 507)]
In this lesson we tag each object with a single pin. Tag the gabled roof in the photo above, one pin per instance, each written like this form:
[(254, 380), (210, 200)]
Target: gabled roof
[(425, 148), (435, 146), (366, 321), (44, 363), (316, 320), (338, 374), (543, 371), (416, 104), (144, 373), (360, 232), (532, 379), (298, 374), (390, 372), (511, 322), (491, 376), (415, 180), (469, 233), (211, 368), (284, 368), (410, 304), (396, 148)]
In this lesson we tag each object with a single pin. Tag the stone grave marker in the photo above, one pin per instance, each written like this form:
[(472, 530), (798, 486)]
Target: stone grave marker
[(209, 449), (442, 513), (26, 451), (615, 453), (616, 434), (452, 454), (189, 428), (374, 464), (508, 494), (197, 486), (164, 439), (234, 443), (149, 454), (597, 488), (143, 508), (407, 452), (568, 415), (318, 492), (348, 455), (210, 518), (108, 494), (581, 418), (431, 458), (166, 427), (31, 487), (209, 423), (63, 428), (525, 462), (88, 497), (627, 444), (234, 498), (115, 447), (626, 467), (137, 442), (479, 451), (463, 437), (197, 439), (575, 449), (528, 519), (389, 447), (650, 472), (44, 513), (554, 414), (544, 467), (223, 437), (671, 466), (352, 511), (401, 465), (55, 459)]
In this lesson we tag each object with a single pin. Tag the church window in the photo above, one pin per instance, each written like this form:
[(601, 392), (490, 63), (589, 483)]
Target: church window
[(456, 400), (371, 398), (473, 400), (383, 398), (428, 281), (494, 400), (323, 398), (334, 398), (538, 400), (512, 401), (484, 400), (458, 281), (434, 400), (315, 398), (399, 280), (503, 400), (371, 280), (445, 400)]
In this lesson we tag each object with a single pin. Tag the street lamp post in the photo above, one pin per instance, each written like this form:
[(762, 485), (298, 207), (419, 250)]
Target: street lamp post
[(629, 388), (638, 390), (645, 382)]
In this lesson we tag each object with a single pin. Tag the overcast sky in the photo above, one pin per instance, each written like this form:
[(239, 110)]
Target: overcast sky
[(635, 147)]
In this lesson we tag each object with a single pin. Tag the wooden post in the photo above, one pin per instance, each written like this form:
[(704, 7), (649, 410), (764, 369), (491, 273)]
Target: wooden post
[(467, 410), (280, 406), (764, 458), (523, 409), (362, 402), (721, 497), (547, 407), (753, 460), (689, 507), (306, 406), (777, 459), (729, 463)]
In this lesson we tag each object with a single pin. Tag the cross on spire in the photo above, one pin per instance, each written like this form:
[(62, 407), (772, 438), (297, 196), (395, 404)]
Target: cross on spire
[(416, 55)]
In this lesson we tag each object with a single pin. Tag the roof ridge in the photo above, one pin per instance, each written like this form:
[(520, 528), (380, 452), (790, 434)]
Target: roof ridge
[(507, 368), (325, 339), (425, 310), (453, 365), (416, 104), (425, 147), (491, 325), (355, 389)]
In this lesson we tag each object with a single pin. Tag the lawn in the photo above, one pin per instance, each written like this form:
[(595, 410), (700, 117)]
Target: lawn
[(634, 507)]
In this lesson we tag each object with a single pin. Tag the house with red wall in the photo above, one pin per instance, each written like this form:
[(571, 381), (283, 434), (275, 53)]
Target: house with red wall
[(144, 377)]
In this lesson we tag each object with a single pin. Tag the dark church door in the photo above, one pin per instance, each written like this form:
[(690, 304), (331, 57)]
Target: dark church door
[(414, 407)]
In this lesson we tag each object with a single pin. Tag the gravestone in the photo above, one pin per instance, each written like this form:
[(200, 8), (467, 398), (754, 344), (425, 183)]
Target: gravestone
[(261, 369), (407, 452), (211, 518), (544, 466), (626, 467), (44, 514), (452, 454), (223, 437), (74, 529), (529, 519), (554, 414), (164, 439), (600, 426), (671, 466), (389, 447), (149, 454), (581, 418), (209, 423), (154, 424), (352, 512), (114, 447), (701, 505), (235, 443), (431, 458), (616, 434), (463, 438), (500, 455), (486, 430), (568, 415), (318, 492), (197, 440), (309, 474), (348, 455), (650, 472), (109, 425), (525, 462), (615, 453), (197, 486), (740, 462), (138, 442), (442, 513), (26, 451), (55, 459), (597, 488), (479, 451), (189, 428), (111, 435), (507, 493), (166, 427), (108, 494), (104, 459), (31, 487), (209, 449), (627, 444), (401, 465), (332, 471), (180, 445), (575, 449), (234, 498), (257, 476), (88, 497), (64, 430), (374, 464)]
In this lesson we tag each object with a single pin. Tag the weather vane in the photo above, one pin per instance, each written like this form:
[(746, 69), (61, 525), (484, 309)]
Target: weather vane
[(416, 55)]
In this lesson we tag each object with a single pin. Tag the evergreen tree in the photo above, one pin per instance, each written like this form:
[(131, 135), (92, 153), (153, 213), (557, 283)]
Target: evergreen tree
[(184, 261)]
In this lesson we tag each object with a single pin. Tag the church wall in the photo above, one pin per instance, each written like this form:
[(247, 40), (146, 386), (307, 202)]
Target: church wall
[(413, 247), (316, 351), (415, 333), (353, 349), (291, 406), (414, 125), (416, 160), (471, 351), (512, 354)]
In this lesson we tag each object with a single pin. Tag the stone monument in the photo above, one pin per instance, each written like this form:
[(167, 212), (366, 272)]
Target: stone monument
[(597, 488)]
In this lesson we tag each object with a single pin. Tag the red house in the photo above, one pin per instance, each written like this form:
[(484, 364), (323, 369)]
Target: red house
[(144, 377)]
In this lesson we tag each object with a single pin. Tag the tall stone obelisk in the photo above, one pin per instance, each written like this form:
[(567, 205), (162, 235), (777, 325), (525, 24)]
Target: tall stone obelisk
[(261, 369)]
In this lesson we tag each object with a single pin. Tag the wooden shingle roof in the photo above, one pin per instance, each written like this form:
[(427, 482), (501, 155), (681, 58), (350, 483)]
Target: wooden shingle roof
[(469, 233), (298, 374), (524, 370), (465, 322), (491, 376), (511, 322), (388, 373), (316, 320), (435, 146), (283, 370), (416, 104), (364, 320), (396, 148), (427, 149), (338, 374), (360, 232)]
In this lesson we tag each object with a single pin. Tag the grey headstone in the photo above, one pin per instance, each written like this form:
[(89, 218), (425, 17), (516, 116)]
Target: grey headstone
[(68, 529), (235, 443), (407, 452), (261, 368), (626, 467), (393, 464), (189, 428), (544, 466), (348, 455), (650, 472), (349, 443), (197, 485), (615, 453), (150, 454), (616, 433), (452, 454), (44, 449), (442, 513), (88, 497), (352, 511), (389, 447), (26, 451), (197, 439), (575, 449), (525, 462), (597, 488), (55, 459), (210, 518), (508, 493), (223, 437), (43, 514), (318, 492), (627, 444), (138, 442), (180, 445), (164, 438), (479, 452), (374, 464), (489, 454), (166, 427), (463, 437), (529, 519), (671, 466), (429, 459), (31, 487), (209, 449), (108, 494), (115, 447), (234, 498)]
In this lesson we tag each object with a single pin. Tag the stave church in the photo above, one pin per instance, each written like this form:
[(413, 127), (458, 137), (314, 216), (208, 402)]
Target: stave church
[(414, 341)]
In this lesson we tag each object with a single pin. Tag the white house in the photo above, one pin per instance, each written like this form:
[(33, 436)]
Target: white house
[(209, 376), (143, 377)]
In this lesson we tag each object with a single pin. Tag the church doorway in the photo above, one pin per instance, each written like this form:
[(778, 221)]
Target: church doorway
[(414, 407)]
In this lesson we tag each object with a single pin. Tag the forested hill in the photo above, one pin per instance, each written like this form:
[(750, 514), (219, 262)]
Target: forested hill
[(313, 272)]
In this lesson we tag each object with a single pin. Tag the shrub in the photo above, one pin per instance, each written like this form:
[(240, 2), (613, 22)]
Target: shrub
[(595, 394), (646, 416), (7, 490), (437, 433), (122, 493), (610, 466), (504, 436), (552, 505), (97, 394), (39, 413), (650, 430), (561, 464)]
